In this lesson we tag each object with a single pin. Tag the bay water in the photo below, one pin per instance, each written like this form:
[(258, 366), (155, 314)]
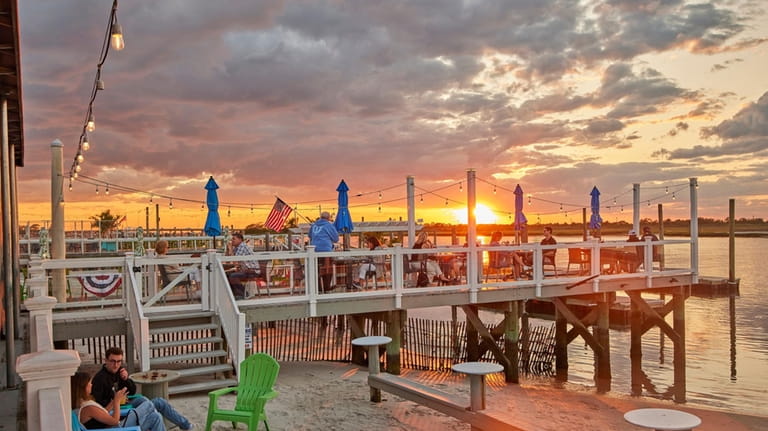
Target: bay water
[(722, 371)]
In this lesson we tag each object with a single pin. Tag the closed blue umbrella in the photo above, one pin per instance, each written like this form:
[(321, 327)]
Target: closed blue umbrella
[(520, 220), (595, 222), (212, 221), (343, 222)]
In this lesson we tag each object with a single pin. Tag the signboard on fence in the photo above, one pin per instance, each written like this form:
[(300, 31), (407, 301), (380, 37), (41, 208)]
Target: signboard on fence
[(248, 337)]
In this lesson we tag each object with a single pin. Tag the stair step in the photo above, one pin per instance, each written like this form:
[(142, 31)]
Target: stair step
[(188, 342), (171, 329), (154, 362), (221, 368), (201, 386), (160, 316)]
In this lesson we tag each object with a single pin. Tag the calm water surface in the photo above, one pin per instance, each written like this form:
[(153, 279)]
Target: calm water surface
[(715, 376)]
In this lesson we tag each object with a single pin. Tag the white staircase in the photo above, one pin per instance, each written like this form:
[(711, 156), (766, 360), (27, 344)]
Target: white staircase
[(192, 344)]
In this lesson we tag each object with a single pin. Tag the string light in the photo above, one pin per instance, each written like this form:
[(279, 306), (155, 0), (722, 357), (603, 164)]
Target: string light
[(529, 200), (461, 186), (107, 189), (80, 158), (97, 189), (379, 207), (202, 207), (673, 195), (494, 189), (666, 190), (170, 203), (150, 198), (421, 198), (114, 34), (229, 211), (379, 195), (446, 201)]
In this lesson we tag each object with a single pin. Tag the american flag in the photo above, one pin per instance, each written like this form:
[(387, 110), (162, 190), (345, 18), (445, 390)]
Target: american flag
[(278, 215)]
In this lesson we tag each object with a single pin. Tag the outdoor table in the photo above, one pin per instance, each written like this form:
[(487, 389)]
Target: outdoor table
[(477, 372), (154, 383), (348, 266), (373, 342), (662, 419)]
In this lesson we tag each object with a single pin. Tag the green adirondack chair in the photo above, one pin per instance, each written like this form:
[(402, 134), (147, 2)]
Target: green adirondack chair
[(258, 373)]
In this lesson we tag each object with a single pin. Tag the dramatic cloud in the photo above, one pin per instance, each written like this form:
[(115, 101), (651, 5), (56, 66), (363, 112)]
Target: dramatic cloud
[(288, 97)]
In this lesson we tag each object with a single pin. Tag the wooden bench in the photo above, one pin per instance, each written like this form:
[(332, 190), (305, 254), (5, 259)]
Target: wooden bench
[(435, 399)]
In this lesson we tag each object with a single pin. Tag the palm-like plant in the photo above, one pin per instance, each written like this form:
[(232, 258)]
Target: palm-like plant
[(106, 222)]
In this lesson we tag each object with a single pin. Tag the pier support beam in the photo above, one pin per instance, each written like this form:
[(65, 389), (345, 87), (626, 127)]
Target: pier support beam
[(561, 346), (676, 333), (395, 324), (635, 349), (511, 339), (678, 323), (603, 357)]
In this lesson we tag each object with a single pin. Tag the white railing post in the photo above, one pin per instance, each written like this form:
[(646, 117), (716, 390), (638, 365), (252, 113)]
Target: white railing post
[(311, 280), (693, 185), (46, 379), (40, 322), (398, 274), (208, 286), (37, 282)]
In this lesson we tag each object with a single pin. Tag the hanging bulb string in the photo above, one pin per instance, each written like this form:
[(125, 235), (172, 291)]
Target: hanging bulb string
[(97, 85)]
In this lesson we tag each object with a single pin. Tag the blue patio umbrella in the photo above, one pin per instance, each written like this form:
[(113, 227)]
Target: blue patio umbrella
[(343, 222), (520, 219), (595, 222), (212, 221)]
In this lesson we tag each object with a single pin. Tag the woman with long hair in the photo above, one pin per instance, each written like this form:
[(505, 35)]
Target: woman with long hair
[(93, 416)]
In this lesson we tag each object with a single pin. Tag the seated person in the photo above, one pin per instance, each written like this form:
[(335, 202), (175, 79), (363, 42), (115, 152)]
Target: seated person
[(93, 416), (549, 255), (499, 259), (373, 244), (242, 270), (113, 378), (434, 271)]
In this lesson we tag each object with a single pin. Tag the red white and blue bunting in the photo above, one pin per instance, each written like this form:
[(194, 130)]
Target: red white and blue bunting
[(101, 285)]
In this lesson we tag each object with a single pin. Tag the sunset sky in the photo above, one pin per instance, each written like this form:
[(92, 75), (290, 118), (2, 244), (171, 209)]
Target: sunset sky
[(286, 98)]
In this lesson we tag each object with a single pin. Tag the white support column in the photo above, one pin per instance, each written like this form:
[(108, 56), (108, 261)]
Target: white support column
[(473, 260), (694, 187), (58, 246), (410, 186), (48, 372), (636, 207), (311, 280)]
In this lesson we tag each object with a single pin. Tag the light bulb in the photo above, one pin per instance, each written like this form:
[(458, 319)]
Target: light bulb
[(107, 190), (91, 126), (97, 189), (77, 169), (86, 145), (118, 43), (80, 158), (99, 84)]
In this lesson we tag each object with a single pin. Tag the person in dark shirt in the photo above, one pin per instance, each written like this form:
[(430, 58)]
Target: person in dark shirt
[(113, 377), (549, 255)]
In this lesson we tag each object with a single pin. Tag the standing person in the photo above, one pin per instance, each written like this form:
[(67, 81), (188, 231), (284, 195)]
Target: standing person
[(93, 415), (323, 235), (242, 270), (113, 377)]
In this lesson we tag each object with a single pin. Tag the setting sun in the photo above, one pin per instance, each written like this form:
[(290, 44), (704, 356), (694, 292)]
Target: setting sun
[(483, 214)]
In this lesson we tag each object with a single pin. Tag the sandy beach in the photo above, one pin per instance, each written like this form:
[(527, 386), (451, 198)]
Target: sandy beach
[(335, 396)]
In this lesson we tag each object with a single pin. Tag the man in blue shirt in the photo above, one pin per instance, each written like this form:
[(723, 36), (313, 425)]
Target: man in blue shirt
[(323, 235)]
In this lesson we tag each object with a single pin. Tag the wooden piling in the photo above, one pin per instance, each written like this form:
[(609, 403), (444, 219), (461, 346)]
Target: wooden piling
[(473, 339), (678, 323), (511, 338), (395, 322), (636, 348), (561, 346), (603, 356)]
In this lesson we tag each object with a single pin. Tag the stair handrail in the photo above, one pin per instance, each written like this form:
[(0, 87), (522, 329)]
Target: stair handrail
[(138, 322), (223, 302)]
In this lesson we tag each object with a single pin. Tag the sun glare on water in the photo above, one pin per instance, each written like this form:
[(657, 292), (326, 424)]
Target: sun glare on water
[(483, 214)]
